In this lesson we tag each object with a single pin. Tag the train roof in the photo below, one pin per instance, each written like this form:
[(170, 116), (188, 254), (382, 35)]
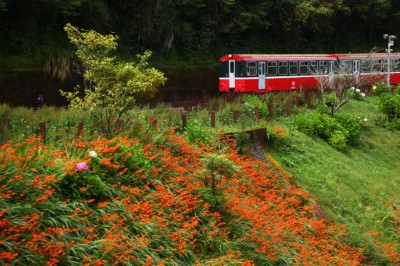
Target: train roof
[(278, 57), (367, 55), (284, 57)]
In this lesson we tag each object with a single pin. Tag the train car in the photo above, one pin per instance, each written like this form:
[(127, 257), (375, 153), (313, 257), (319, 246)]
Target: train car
[(260, 73)]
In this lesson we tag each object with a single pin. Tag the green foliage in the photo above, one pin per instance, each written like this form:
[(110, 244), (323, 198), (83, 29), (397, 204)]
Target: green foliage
[(334, 177), (197, 131), (337, 140), (390, 105), (338, 131), (252, 101), (114, 86), (353, 126), (358, 95), (217, 167), (317, 124), (380, 88), (278, 136), (331, 100)]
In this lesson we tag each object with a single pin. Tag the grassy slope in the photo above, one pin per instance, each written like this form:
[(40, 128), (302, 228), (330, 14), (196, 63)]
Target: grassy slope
[(353, 187)]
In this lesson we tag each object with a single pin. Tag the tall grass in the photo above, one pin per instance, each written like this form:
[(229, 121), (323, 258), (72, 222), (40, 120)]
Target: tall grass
[(359, 187), (153, 175)]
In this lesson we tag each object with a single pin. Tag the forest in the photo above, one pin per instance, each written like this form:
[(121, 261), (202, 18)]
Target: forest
[(195, 32)]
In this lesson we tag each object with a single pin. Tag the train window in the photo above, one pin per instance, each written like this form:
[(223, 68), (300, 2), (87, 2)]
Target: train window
[(313, 66), (366, 66), (293, 68), (303, 67), (282, 68), (323, 67), (395, 65), (377, 66), (384, 65), (240, 69), (251, 68), (271, 68)]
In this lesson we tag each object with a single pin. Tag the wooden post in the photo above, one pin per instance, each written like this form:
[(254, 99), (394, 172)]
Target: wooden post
[(80, 128), (296, 100), (256, 114), (271, 108), (183, 121), (309, 100), (212, 118), (120, 124), (42, 130), (288, 107), (235, 116)]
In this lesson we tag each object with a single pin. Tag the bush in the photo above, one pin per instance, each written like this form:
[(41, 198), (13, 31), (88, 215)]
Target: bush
[(325, 127), (318, 124), (389, 104), (352, 125), (380, 88), (338, 140), (196, 131), (252, 101)]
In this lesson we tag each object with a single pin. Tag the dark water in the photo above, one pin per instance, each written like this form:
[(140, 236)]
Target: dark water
[(21, 88)]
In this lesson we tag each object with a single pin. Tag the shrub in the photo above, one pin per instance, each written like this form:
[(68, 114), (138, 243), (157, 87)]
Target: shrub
[(380, 88), (325, 127), (196, 131), (278, 136), (318, 124), (358, 95), (390, 105), (352, 125), (338, 140), (252, 101)]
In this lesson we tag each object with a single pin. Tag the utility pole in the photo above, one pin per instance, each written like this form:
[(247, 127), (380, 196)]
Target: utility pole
[(390, 39)]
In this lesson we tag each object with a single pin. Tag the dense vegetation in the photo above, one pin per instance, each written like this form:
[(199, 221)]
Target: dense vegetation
[(195, 32), (159, 194)]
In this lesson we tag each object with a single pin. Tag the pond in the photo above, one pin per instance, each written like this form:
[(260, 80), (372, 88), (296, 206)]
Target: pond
[(21, 88)]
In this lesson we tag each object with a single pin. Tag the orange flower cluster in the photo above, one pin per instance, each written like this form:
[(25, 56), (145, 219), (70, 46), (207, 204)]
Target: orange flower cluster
[(145, 202)]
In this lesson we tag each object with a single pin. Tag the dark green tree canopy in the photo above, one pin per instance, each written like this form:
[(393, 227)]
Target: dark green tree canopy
[(199, 29)]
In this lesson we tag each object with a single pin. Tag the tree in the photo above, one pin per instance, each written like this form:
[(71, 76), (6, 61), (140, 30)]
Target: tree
[(340, 83), (3, 5), (112, 87)]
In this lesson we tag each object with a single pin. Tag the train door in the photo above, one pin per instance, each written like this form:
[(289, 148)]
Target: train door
[(261, 75), (356, 69), (231, 74), (331, 73)]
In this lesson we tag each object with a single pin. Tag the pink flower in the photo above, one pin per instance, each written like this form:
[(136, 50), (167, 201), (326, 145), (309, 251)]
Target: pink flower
[(82, 166)]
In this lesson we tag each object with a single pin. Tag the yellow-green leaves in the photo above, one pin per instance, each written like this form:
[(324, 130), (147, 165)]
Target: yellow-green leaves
[(112, 85)]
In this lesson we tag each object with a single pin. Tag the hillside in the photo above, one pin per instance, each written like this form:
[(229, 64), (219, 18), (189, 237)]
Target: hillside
[(152, 197), (359, 187)]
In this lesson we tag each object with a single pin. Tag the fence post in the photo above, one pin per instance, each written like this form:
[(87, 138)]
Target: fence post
[(212, 118), (271, 108), (288, 102), (42, 130), (235, 116), (309, 100), (183, 121), (120, 124), (80, 128), (256, 114)]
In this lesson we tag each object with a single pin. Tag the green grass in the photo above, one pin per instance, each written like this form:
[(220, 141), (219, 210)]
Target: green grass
[(353, 187), (358, 187)]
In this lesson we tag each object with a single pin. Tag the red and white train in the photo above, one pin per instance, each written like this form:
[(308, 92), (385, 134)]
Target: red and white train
[(260, 73)]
